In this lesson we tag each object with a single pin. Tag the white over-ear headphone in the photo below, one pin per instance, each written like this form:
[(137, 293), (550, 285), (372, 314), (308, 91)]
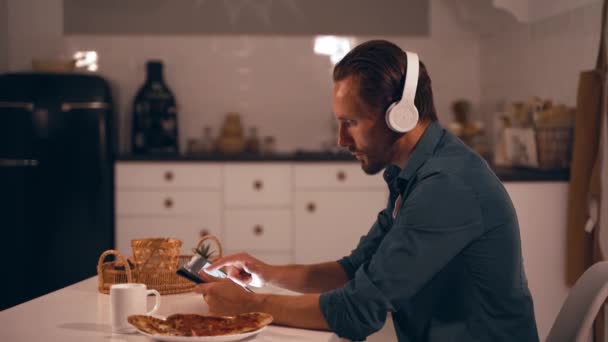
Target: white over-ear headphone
[(402, 116)]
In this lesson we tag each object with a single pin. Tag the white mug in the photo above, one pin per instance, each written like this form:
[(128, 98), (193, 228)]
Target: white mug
[(129, 299)]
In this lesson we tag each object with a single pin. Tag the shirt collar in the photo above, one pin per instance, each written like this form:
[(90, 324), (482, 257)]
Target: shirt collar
[(422, 151), (390, 175)]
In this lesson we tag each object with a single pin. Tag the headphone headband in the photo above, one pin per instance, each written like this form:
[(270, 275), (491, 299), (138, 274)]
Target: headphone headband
[(411, 77), (402, 116)]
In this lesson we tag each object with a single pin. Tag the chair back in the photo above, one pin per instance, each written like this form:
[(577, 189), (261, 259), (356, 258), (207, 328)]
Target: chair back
[(586, 298)]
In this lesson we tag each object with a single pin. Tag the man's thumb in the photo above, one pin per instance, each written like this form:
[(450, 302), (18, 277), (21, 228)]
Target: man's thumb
[(250, 267)]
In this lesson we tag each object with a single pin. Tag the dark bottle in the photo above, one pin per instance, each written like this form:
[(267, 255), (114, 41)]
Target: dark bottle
[(154, 124)]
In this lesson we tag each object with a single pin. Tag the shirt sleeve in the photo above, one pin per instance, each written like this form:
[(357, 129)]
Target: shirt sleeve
[(435, 223), (368, 244)]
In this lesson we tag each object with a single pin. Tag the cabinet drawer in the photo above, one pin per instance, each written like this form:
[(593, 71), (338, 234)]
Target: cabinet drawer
[(248, 185), (167, 203), (335, 176), (188, 230), (260, 230), (152, 175), (329, 224)]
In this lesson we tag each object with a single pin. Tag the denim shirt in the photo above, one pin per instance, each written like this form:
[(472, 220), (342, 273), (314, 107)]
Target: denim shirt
[(448, 265)]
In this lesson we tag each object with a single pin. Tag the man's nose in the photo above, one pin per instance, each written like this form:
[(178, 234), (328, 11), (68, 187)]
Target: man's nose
[(344, 138)]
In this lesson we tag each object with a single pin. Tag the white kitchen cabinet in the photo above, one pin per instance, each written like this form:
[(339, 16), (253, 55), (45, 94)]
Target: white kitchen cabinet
[(257, 210), (250, 206), (168, 176), (180, 200), (257, 185), (167, 203), (329, 224), (334, 176), (264, 230), (334, 205)]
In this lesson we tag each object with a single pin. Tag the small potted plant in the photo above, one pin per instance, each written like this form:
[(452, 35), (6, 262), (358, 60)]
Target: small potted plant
[(205, 251)]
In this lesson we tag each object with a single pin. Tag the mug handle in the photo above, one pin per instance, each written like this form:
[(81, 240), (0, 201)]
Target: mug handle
[(157, 304)]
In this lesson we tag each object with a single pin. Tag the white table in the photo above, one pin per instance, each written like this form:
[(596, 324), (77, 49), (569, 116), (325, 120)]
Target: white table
[(80, 313)]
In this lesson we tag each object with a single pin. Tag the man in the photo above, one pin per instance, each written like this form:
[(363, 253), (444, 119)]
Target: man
[(443, 257)]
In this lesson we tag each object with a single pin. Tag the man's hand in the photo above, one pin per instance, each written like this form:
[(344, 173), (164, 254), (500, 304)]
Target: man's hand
[(243, 269), (224, 297)]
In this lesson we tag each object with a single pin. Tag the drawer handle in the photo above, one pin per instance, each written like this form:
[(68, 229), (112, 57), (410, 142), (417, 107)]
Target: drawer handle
[(311, 207), (168, 176), (204, 232), (258, 230), (341, 176), (258, 185), (168, 203)]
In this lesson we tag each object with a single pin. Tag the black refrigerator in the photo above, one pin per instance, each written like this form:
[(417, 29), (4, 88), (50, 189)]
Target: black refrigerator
[(56, 181)]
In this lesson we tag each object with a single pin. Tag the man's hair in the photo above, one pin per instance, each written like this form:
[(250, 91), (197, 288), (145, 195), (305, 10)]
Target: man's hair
[(378, 67)]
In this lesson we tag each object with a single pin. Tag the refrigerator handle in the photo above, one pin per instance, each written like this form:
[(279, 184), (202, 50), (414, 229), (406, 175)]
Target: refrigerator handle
[(102, 135), (18, 162), (18, 105), (68, 106)]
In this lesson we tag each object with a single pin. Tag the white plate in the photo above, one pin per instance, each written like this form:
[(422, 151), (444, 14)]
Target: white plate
[(221, 338)]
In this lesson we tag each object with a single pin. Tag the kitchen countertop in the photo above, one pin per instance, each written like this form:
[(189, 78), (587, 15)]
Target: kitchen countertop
[(80, 313), (506, 174), (298, 156)]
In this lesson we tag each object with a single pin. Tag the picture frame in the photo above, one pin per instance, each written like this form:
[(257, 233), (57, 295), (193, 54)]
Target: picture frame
[(520, 147)]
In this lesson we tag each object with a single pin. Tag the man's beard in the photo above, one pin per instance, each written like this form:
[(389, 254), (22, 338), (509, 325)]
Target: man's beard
[(372, 167), (381, 159)]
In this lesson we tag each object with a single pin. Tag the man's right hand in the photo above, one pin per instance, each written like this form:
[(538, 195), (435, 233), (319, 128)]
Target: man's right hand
[(243, 269)]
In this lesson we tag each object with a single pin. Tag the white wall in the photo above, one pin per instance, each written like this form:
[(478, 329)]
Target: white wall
[(541, 9), (34, 31), (542, 215), (543, 58), (276, 82), (279, 85)]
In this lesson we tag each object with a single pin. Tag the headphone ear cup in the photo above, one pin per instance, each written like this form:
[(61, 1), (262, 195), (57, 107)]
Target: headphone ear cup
[(401, 118), (387, 116)]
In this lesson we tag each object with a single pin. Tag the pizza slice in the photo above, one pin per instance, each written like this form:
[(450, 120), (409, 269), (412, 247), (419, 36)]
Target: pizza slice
[(152, 325), (198, 325)]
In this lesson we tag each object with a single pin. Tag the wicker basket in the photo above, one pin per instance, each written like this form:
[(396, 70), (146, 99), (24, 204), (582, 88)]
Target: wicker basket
[(156, 255), (554, 145), (164, 280)]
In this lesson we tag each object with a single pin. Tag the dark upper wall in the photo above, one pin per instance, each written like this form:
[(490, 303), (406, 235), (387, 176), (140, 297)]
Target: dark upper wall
[(284, 17)]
